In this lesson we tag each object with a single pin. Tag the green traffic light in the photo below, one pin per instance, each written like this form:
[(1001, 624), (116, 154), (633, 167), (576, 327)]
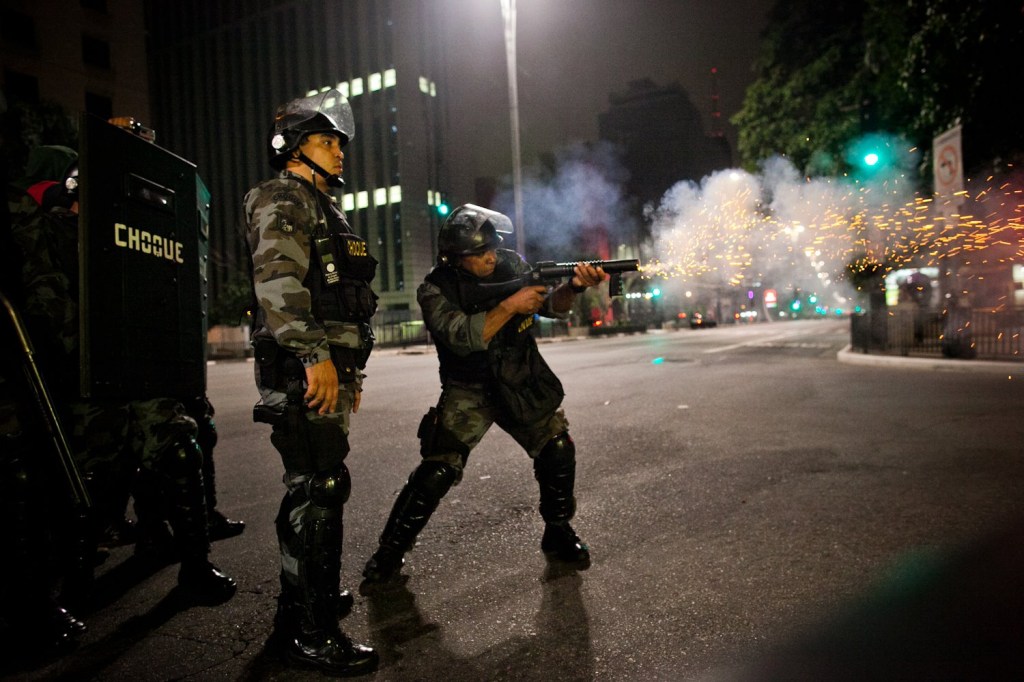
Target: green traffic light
[(442, 209), (871, 159)]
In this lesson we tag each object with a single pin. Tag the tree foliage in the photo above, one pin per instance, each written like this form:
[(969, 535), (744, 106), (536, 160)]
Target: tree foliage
[(829, 72)]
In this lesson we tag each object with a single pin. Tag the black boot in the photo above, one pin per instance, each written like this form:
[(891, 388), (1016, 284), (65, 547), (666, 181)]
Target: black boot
[(219, 526), (555, 471), (198, 578), (308, 636), (561, 542), (306, 626), (205, 583), (419, 498)]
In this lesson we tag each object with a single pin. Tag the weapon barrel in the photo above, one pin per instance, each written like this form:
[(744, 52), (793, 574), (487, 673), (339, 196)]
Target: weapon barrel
[(550, 270)]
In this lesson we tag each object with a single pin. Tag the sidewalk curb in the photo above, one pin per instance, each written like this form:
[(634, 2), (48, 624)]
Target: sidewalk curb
[(848, 356)]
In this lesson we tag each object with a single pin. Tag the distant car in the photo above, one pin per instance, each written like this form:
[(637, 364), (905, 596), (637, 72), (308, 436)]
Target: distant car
[(698, 321)]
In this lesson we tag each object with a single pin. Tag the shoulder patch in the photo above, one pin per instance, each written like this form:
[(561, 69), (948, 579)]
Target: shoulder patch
[(286, 196)]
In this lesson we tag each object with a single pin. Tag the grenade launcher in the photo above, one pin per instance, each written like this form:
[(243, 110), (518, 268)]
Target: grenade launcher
[(546, 273)]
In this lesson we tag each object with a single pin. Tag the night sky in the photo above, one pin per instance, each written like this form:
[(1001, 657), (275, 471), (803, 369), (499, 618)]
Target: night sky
[(573, 53)]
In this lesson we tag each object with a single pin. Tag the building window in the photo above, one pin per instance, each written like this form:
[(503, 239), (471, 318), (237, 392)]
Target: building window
[(99, 105), (17, 29), (95, 52), (98, 5)]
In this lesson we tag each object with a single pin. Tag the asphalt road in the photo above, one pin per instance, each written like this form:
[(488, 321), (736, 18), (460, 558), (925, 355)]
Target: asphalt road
[(750, 502)]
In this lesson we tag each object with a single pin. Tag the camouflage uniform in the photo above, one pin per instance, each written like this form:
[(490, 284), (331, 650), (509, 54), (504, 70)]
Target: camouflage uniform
[(470, 403), (467, 410), (112, 440), (302, 321), (41, 530)]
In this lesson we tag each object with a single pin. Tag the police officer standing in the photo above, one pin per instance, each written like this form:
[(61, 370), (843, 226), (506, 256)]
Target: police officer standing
[(491, 373), (312, 337)]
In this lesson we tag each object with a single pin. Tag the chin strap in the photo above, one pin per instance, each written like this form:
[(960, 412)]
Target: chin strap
[(331, 179)]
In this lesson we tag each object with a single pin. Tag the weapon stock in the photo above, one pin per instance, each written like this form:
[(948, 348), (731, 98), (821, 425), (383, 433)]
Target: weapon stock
[(79, 493)]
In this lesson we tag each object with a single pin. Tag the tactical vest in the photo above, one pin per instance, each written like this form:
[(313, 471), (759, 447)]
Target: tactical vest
[(477, 366), (340, 269)]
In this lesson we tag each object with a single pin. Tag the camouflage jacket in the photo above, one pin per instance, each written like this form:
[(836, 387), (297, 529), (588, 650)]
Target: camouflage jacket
[(463, 333), (48, 244), (281, 216)]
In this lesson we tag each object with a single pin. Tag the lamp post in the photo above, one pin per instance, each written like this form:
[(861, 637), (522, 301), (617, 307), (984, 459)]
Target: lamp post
[(508, 13)]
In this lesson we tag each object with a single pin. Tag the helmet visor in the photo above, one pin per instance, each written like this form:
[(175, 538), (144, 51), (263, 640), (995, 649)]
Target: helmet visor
[(330, 104), (479, 217)]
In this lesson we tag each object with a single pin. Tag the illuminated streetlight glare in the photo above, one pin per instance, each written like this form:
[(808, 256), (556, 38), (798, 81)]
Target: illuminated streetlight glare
[(508, 13)]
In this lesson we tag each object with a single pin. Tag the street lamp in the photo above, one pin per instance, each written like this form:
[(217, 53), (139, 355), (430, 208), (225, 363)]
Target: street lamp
[(508, 13)]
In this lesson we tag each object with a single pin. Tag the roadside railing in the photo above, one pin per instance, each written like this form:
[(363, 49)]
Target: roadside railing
[(984, 333)]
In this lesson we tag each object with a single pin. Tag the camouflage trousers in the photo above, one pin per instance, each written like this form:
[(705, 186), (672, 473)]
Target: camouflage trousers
[(298, 514), (112, 436), (467, 413), (113, 441)]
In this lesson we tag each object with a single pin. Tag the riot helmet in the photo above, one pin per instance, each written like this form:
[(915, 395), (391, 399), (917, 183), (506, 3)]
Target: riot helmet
[(324, 112), (471, 229)]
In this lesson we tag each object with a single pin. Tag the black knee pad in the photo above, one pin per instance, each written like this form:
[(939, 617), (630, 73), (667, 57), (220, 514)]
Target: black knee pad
[(181, 459), (559, 452), (433, 478), (330, 490)]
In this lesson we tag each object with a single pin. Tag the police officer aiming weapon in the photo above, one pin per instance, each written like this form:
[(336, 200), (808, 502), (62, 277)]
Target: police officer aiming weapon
[(479, 305)]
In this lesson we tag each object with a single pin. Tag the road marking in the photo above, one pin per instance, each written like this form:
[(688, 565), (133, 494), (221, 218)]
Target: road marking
[(749, 343)]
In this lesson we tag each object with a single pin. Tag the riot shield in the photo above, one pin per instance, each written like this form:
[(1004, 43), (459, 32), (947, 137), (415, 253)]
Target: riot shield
[(143, 258)]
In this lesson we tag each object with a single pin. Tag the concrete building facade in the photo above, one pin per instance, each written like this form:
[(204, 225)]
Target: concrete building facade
[(86, 55)]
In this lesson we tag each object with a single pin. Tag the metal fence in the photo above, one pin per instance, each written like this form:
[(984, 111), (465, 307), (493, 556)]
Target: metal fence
[(962, 333)]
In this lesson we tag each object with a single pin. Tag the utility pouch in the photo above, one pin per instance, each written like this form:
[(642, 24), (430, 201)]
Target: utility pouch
[(265, 353), (347, 362), (291, 438), (525, 387), (435, 439), (428, 428)]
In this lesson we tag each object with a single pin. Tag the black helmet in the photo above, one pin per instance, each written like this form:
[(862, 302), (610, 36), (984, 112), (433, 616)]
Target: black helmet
[(471, 229), (324, 112)]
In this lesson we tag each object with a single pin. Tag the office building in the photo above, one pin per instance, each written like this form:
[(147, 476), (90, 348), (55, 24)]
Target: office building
[(219, 69)]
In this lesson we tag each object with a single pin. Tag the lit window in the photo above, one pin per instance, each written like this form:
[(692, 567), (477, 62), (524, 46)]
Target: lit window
[(396, 194), (433, 89), (311, 93), (430, 197), (348, 202), (374, 81), (424, 85), (329, 102), (343, 88), (325, 88), (390, 78), (362, 199), (380, 196), (357, 87)]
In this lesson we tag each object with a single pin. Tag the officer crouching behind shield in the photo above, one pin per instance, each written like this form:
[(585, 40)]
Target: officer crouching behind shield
[(312, 337), (491, 373)]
